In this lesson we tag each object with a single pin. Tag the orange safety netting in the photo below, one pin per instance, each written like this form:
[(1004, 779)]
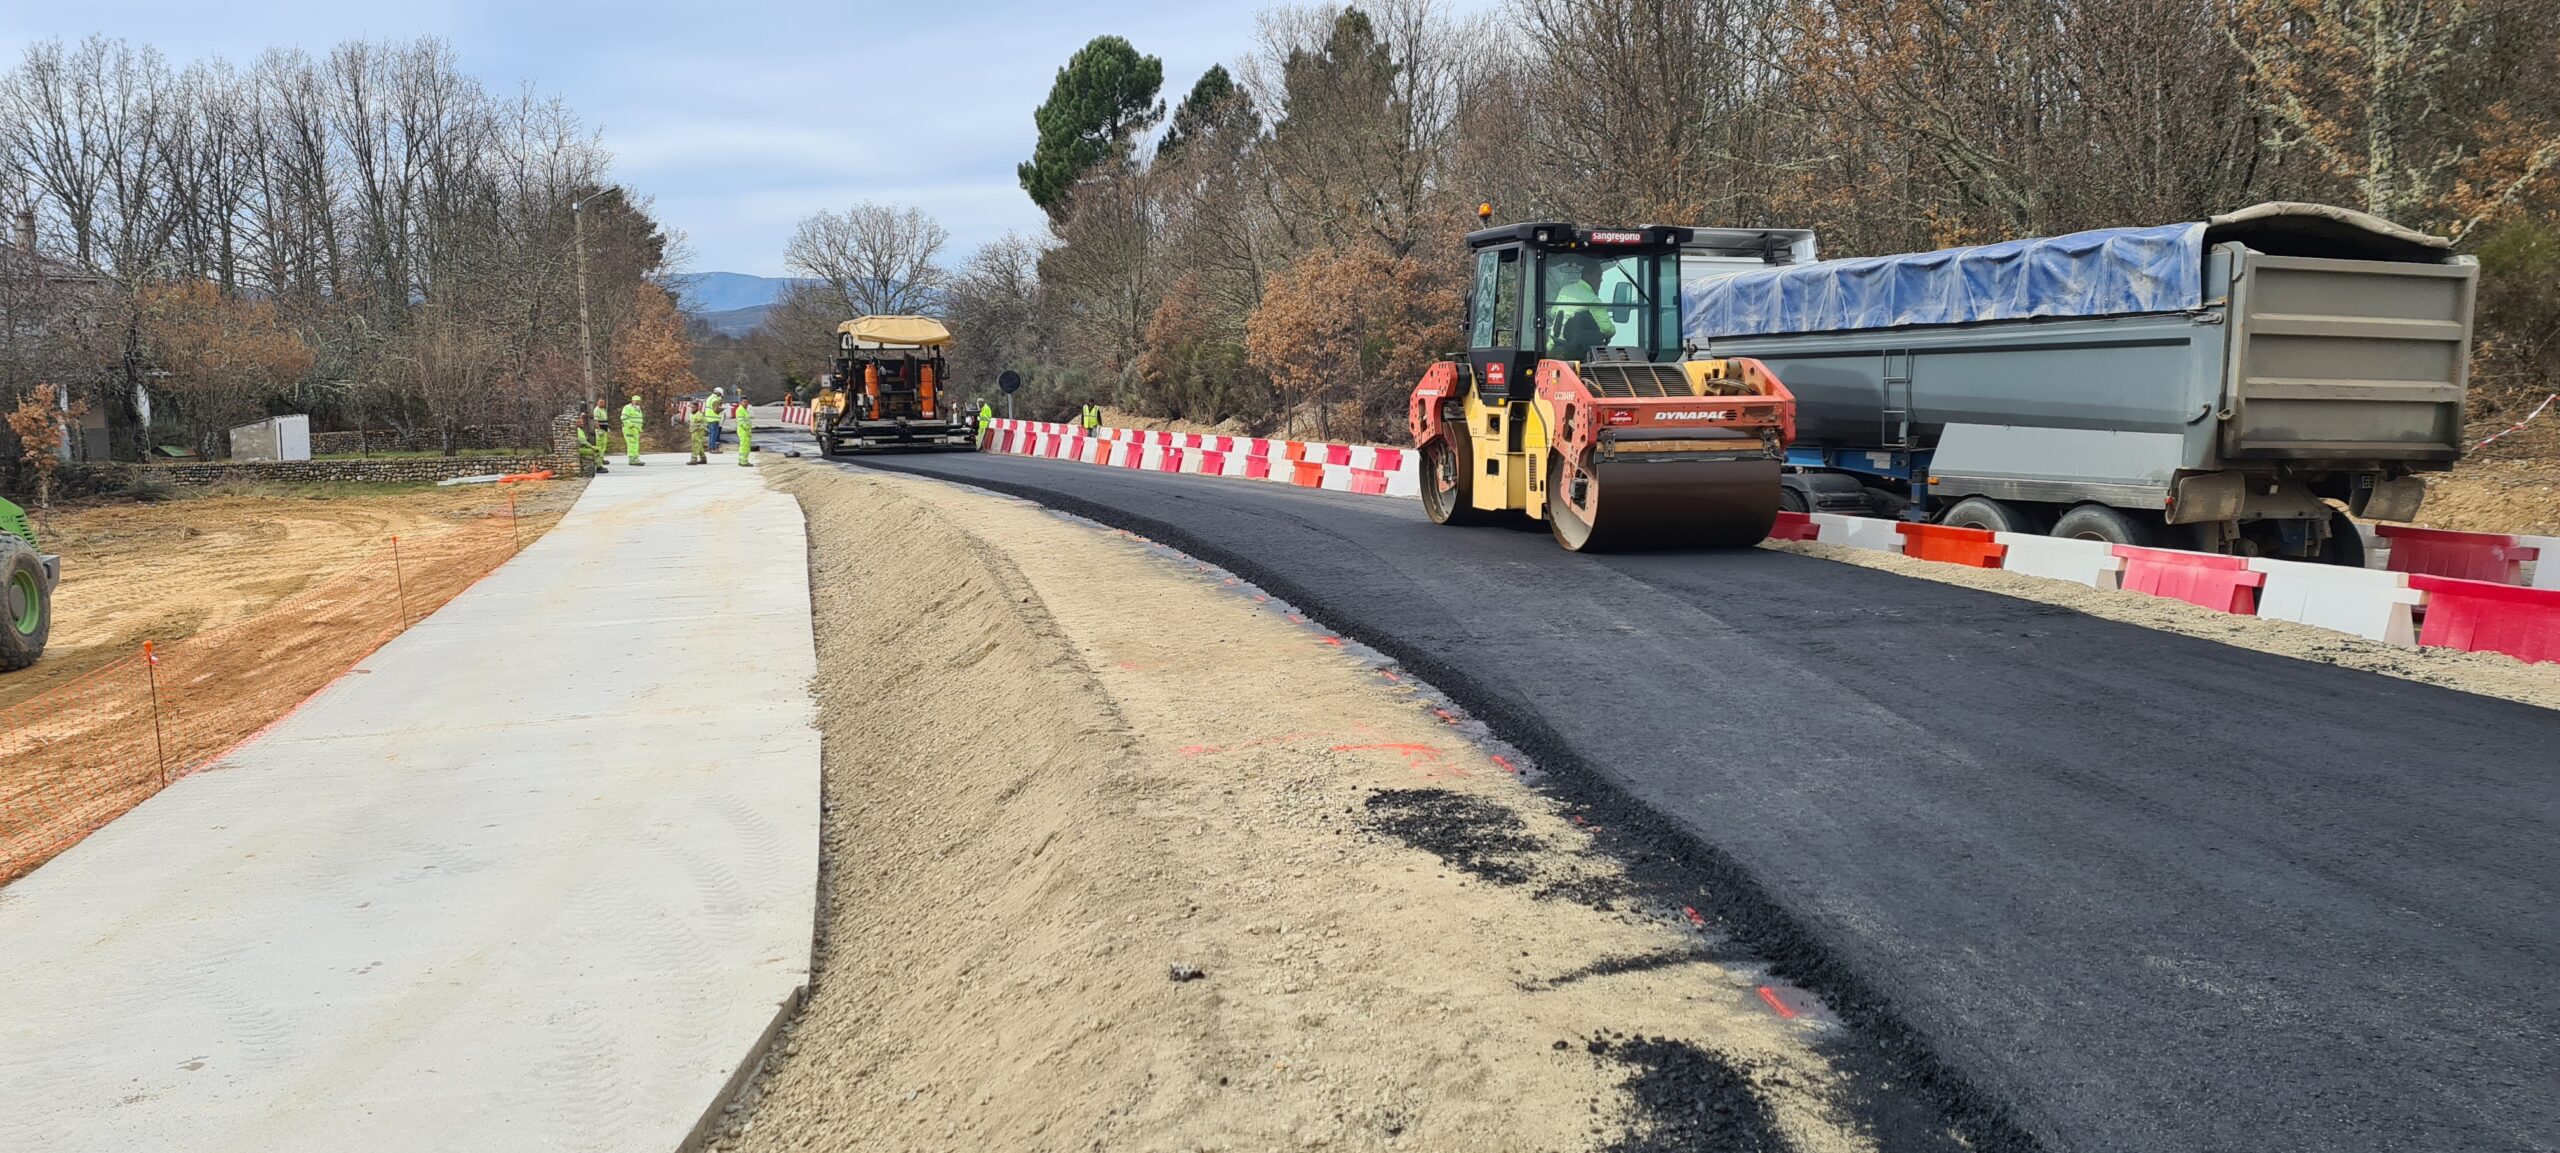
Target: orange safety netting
[(80, 755)]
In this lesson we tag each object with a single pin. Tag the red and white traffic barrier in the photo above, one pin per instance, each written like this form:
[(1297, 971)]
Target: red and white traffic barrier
[(795, 414), (2375, 604), (1357, 468)]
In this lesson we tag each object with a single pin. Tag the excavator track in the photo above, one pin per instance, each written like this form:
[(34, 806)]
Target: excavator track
[(1631, 506)]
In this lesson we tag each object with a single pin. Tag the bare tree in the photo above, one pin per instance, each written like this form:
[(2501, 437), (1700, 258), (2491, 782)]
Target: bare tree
[(880, 260)]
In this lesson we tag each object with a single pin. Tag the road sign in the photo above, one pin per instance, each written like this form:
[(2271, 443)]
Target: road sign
[(1010, 382)]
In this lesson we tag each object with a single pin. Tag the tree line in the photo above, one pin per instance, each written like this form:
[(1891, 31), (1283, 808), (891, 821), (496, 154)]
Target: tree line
[(368, 235), (1278, 248)]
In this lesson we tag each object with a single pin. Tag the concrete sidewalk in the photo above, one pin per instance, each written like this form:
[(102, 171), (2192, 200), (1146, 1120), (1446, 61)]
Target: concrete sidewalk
[(537, 875)]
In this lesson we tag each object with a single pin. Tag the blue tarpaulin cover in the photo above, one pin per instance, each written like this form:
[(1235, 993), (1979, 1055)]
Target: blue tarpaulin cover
[(2099, 273)]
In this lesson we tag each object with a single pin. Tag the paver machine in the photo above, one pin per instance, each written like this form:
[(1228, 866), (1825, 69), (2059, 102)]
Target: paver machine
[(1576, 403), (27, 578), (888, 389)]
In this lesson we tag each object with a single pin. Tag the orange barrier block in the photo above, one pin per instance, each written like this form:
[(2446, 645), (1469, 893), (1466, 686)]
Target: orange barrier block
[(1952, 545), (2222, 583), (2483, 616), (1305, 473)]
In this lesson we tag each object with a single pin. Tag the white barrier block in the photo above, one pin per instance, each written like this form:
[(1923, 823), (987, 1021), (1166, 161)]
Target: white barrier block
[(2082, 562), (2360, 602), (1337, 477), (1857, 532), (1152, 458), (1406, 480), (2546, 571)]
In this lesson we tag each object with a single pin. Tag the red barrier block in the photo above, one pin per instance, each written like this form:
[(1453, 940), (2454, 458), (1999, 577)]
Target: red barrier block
[(1133, 454), (1369, 481), (1171, 461), (1390, 459), (1795, 526), (1336, 453), (1307, 473), (2484, 616), (1213, 462), (1951, 545), (2222, 583), (1258, 467), (2477, 556)]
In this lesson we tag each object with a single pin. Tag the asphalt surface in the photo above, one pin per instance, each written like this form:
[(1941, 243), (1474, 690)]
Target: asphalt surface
[(2143, 891)]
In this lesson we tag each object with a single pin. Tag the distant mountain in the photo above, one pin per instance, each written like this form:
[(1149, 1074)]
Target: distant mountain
[(735, 321), (707, 293)]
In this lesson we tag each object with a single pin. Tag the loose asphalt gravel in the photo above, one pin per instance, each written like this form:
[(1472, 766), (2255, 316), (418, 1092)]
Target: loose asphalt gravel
[(2129, 890)]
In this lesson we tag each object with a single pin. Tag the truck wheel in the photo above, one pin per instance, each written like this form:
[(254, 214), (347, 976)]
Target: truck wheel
[(1448, 484), (2098, 522), (1790, 499), (2345, 546), (1990, 515), (26, 606)]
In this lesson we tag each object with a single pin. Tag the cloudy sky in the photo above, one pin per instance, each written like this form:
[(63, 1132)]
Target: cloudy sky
[(739, 116)]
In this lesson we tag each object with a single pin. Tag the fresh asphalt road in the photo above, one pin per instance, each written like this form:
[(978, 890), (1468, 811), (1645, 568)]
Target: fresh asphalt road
[(2149, 891)]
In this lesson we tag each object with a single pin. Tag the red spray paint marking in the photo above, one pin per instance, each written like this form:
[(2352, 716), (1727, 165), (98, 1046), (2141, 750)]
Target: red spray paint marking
[(1334, 641), (1691, 912), (1449, 717), (1498, 758), (1295, 619), (1771, 996), (1390, 674)]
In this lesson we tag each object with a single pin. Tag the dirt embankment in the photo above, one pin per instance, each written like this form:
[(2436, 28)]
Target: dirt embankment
[(133, 572), (2496, 494), (1117, 858)]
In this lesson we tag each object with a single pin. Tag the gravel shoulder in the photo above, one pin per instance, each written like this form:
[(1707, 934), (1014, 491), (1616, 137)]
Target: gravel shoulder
[(2486, 674), (1066, 769)]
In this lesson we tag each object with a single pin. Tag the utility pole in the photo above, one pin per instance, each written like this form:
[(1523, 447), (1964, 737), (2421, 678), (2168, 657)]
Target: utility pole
[(586, 336)]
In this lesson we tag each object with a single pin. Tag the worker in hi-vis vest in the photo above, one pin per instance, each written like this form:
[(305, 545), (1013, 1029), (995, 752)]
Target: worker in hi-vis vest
[(1092, 417), (986, 421), (634, 422), (746, 415)]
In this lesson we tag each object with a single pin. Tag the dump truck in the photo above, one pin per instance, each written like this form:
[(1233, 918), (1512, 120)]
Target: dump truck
[(2239, 384), (27, 580), (888, 389), (1574, 404)]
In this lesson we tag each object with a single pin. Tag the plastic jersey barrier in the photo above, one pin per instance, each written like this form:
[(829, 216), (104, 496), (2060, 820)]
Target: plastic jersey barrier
[(2493, 557), (1965, 546), (2223, 583), (2480, 616)]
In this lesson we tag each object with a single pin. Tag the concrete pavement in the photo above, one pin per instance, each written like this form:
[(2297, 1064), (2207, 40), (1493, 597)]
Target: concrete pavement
[(537, 875)]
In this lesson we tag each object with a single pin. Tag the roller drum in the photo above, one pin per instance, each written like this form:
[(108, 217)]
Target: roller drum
[(1670, 504)]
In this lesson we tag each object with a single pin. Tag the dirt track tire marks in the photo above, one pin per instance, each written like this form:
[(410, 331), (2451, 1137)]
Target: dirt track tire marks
[(2140, 925)]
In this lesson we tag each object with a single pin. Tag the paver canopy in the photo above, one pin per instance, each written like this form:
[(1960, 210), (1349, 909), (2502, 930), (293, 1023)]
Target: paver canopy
[(919, 331)]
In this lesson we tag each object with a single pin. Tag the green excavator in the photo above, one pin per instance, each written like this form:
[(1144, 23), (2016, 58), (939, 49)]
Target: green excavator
[(27, 578)]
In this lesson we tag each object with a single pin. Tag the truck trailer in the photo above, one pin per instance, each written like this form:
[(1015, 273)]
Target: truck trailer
[(2232, 385)]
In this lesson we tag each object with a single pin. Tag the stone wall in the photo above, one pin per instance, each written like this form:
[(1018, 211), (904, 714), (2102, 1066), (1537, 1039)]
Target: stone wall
[(393, 440), (399, 470)]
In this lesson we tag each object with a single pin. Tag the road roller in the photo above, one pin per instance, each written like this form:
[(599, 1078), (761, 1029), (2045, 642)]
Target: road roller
[(1576, 403)]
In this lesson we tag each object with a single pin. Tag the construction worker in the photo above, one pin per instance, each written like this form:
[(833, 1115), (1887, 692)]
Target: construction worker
[(1577, 319), (986, 421), (715, 407), (634, 422), (595, 443), (746, 416), (1092, 418), (699, 422)]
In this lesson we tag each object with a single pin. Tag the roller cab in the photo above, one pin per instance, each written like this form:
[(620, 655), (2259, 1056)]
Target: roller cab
[(1574, 404)]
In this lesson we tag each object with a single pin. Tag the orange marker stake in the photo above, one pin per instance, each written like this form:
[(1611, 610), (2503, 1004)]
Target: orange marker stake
[(159, 744)]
